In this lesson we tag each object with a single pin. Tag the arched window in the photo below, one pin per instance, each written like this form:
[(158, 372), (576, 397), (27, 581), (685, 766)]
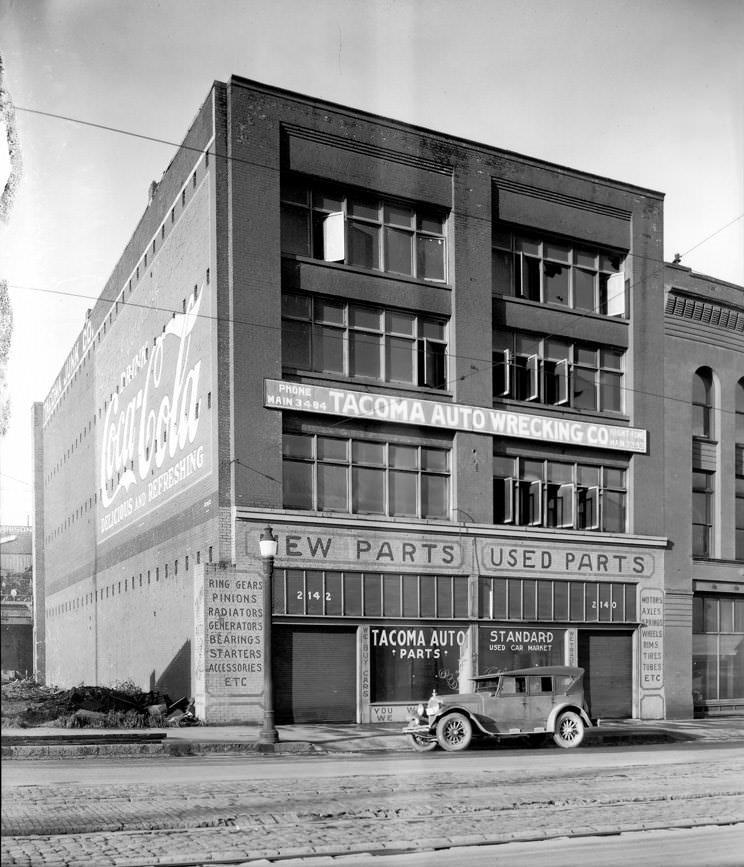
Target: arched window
[(702, 403)]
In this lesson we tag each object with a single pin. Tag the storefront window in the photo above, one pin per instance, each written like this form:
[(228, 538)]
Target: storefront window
[(408, 662), (717, 648), (506, 646)]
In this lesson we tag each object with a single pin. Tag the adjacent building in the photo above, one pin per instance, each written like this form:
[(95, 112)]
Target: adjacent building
[(16, 621), (432, 366), (704, 391)]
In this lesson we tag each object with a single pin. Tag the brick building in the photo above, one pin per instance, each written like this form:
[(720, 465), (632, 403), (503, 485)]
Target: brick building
[(704, 386), (16, 621), (429, 364)]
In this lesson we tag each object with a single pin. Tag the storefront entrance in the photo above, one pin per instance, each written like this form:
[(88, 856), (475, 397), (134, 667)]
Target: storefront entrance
[(607, 660), (314, 674)]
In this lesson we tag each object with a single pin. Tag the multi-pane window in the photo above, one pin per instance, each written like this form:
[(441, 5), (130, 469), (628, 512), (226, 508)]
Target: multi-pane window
[(553, 272), (540, 600), (363, 342), (532, 367), (702, 403), (717, 647), (365, 477), (739, 472), (339, 225), (703, 490), (559, 494), (334, 593)]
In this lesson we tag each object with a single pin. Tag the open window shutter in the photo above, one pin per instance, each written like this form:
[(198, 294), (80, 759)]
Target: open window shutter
[(334, 240), (434, 364), (508, 500), (616, 295), (566, 505), (502, 373), (535, 503), (561, 382), (592, 508), (533, 367)]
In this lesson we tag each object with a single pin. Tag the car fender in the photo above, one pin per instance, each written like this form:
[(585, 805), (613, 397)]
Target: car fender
[(481, 723), (558, 710)]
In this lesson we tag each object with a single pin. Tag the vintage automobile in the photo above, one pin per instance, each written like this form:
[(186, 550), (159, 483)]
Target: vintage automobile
[(528, 704)]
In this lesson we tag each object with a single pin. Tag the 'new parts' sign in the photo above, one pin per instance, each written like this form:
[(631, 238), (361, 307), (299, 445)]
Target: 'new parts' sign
[(454, 416)]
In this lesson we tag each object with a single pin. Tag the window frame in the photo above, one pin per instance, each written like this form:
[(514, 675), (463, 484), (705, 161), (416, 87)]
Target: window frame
[(330, 231), (529, 258), (355, 469), (533, 377), (529, 502), (428, 353)]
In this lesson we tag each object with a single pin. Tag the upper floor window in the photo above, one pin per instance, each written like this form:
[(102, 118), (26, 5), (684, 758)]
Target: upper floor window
[(363, 342), (558, 494), (553, 272), (355, 228), (703, 490), (702, 403), (532, 367), (365, 477)]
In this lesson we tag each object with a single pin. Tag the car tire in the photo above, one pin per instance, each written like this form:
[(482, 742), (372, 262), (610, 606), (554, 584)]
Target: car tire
[(454, 732), (422, 745), (569, 730)]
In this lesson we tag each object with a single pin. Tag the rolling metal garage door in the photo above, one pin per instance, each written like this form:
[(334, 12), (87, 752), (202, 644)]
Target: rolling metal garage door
[(314, 674), (607, 658)]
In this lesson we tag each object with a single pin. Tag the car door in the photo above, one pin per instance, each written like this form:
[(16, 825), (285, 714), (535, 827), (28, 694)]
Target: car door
[(539, 701), (511, 707)]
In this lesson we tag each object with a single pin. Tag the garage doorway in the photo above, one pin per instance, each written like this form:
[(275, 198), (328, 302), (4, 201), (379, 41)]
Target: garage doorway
[(607, 660), (314, 673)]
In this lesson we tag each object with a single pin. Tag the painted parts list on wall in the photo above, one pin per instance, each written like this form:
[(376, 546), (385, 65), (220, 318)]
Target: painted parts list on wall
[(234, 633), (652, 639)]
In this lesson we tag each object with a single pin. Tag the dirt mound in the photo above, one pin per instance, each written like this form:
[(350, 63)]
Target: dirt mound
[(26, 703)]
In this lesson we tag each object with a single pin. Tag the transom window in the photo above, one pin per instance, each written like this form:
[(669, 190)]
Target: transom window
[(555, 272), (333, 593), (532, 367), (558, 494), (516, 599), (361, 342), (342, 474), (338, 225)]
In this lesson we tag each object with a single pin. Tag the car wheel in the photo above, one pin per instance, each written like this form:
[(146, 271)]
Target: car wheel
[(454, 732), (422, 745), (569, 730)]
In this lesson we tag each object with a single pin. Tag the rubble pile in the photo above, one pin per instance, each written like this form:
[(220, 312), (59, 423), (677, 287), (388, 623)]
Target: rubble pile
[(27, 704)]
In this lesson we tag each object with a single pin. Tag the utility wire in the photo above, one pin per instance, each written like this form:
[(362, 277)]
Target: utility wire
[(489, 365)]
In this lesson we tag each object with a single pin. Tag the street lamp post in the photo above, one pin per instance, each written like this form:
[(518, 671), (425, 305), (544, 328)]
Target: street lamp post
[(268, 735)]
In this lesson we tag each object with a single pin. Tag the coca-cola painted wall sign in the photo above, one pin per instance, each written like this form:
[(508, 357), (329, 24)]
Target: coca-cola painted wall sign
[(152, 448)]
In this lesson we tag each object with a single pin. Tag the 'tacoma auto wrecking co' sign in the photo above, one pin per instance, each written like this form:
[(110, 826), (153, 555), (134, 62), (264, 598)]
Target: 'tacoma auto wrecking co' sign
[(440, 414)]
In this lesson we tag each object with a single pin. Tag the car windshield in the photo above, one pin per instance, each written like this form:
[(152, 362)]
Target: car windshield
[(490, 685)]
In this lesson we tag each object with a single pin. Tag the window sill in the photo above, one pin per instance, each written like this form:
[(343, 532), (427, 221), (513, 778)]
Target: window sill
[(367, 272), (563, 411), (544, 305), (367, 385)]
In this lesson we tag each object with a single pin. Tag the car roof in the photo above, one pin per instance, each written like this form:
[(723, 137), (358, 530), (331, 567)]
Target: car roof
[(538, 670)]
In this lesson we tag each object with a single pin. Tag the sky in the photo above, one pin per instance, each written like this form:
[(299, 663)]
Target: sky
[(649, 92)]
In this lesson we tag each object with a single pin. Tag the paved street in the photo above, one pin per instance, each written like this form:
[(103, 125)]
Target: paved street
[(242, 809)]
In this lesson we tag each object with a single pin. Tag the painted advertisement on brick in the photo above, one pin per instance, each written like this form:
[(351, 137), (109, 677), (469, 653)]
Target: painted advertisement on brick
[(150, 449), (154, 385)]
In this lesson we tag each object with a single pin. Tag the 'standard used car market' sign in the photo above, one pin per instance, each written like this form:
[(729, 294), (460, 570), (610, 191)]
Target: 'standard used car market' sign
[(453, 416)]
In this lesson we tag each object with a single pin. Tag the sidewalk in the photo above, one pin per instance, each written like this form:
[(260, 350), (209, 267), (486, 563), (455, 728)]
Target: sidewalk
[(316, 739)]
